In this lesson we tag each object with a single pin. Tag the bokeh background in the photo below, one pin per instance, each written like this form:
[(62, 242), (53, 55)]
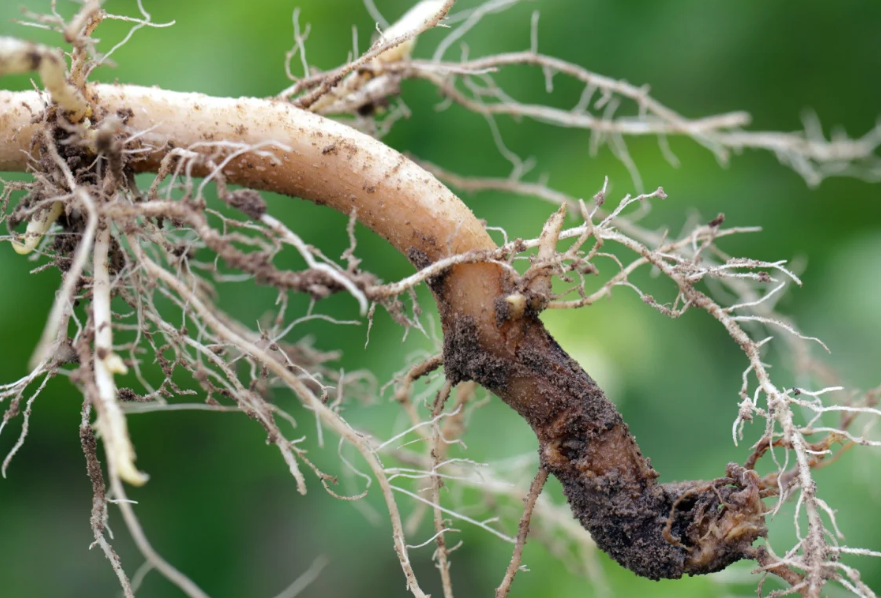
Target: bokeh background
[(220, 505)]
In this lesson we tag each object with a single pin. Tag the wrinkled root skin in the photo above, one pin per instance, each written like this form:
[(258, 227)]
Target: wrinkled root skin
[(658, 531)]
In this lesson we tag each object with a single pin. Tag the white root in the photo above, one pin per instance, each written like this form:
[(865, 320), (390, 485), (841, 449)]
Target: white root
[(111, 419), (17, 57), (37, 227)]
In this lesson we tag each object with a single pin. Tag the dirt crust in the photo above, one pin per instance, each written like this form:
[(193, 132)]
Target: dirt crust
[(658, 531)]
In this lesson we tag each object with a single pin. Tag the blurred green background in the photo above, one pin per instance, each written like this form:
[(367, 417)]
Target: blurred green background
[(220, 504)]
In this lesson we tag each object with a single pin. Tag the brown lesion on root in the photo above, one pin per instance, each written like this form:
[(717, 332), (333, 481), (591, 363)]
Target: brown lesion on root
[(655, 530)]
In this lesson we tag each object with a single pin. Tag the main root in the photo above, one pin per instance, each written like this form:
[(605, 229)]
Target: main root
[(86, 142)]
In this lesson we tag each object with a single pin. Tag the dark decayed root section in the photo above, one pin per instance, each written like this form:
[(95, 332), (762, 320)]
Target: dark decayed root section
[(655, 530)]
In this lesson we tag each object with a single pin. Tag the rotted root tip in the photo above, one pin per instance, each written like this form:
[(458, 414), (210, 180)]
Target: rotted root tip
[(671, 530), (726, 516)]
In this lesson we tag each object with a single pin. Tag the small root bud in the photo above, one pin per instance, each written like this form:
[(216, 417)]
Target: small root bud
[(516, 305)]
